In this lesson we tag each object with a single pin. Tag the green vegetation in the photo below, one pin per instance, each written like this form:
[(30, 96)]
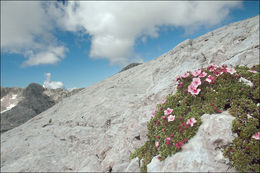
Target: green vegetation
[(207, 90)]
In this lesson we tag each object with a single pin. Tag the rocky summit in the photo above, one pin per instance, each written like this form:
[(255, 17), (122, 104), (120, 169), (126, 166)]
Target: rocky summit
[(18, 105), (98, 128)]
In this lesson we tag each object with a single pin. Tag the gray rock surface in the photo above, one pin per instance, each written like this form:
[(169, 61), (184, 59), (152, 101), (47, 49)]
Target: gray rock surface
[(96, 129)]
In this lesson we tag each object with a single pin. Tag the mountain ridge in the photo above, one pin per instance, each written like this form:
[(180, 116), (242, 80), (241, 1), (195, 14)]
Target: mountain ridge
[(21, 104)]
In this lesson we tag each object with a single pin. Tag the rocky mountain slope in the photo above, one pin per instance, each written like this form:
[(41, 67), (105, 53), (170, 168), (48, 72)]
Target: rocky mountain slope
[(130, 66), (98, 128), (19, 105)]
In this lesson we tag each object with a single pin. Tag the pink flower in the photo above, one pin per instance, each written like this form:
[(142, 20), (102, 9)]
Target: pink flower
[(196, 82), (164, 117), (210, 79), (203, 74), (224, 70), (196, 73), (157, 144), (231, 70), (224, 66), (168, 111), (256, 136), (179, 145), (154, 112), (171, 118), (159, 157), (172, 135), (193, 89), (191, 121), (217, 73), (212, 67), (168, 140), (185, 75), (252, 71), (163, 101), (180, 85)]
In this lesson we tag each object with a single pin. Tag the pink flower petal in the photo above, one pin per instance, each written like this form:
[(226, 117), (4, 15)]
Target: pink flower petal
[(185, 75), (157, 144), (256, 136), (252, 71), (196, 73), (171, 118), (203, 74), (196, 82), (231, 70), (168, 111), (163, 101)]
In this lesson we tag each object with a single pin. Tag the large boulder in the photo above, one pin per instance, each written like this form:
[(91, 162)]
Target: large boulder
[(99, 127)]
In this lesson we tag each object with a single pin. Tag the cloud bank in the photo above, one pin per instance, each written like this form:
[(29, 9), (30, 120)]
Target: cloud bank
[(52, 84), (27, 28), (114, 27)]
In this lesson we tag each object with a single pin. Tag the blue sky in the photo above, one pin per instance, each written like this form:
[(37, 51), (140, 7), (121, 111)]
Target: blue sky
[(81, 51)]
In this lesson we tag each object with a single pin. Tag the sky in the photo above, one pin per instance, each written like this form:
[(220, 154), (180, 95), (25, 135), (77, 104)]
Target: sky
[(74, 44)]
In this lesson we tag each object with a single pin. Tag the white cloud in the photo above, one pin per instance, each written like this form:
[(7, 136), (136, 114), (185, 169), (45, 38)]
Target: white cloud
[(51, 84), (27, 28), (115, 26), (50, 56)]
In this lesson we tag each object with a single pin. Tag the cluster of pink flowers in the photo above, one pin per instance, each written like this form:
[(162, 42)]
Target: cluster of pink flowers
[(256, 136), (190, 122), (193, 87), (198, 74)]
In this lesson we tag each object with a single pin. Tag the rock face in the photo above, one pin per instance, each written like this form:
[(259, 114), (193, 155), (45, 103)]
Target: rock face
[(97, 128), (130, 66), (19, 105), (57, 95), (33, 103), (202, 152), (10, 97)]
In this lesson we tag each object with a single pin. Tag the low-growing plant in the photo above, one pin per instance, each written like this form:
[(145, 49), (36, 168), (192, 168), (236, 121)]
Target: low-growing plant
[(207, 90)]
